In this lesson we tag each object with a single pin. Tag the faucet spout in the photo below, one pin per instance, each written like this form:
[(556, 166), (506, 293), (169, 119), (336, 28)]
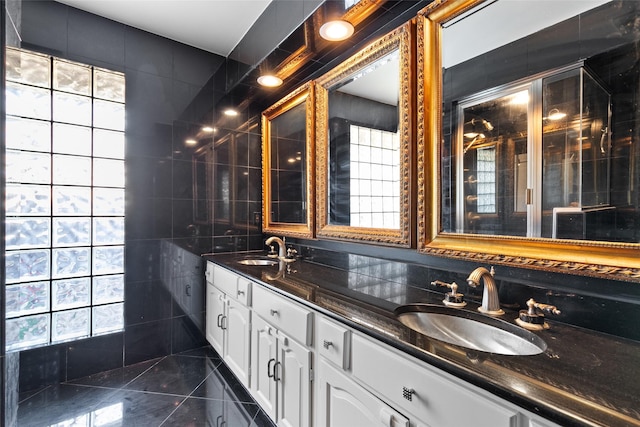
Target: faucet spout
[(490, 300), (282, 250)]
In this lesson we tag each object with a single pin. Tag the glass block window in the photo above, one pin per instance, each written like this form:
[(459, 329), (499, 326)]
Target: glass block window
[(375, 178), (65, 148), (486, 185)]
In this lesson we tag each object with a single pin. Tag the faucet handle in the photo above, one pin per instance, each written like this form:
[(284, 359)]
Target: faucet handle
[(291, 255), (453, 298), (272, 252), (533, 317)]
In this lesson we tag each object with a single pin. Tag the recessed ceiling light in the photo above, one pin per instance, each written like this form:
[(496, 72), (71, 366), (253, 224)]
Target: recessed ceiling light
[(191, 141), (336, 30), (231, 113), (207, 129), (269, 80)]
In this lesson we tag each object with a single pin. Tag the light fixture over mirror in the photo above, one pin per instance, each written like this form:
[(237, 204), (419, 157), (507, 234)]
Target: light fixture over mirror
[(336, 30), (554, 185), (269, 80)]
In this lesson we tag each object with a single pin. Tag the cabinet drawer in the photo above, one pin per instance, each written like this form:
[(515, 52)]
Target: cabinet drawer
[(225, 280), (424, 392), (333, 341), (243, 293), (291, 318)]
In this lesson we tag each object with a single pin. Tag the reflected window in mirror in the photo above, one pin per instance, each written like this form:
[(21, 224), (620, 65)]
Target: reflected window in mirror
[(374, 182)]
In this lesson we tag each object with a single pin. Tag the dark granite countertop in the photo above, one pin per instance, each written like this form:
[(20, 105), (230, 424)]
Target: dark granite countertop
[(584, 378)]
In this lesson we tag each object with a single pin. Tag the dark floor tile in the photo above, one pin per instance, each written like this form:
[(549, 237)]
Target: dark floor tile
[(262, 420), (116, 378), (205, 351), (202, 412), (58, 403), (173, 374), (222, 375), (29, 394), (134, 408)]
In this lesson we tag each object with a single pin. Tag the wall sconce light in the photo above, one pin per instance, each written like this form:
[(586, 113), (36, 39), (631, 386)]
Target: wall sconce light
[(269, 80), (336, 30)]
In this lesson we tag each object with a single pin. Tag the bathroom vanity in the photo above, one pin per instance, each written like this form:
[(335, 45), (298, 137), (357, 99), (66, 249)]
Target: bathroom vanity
[(326, 349)]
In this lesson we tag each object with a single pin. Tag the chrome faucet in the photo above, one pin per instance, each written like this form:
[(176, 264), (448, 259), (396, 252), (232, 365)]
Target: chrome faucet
[(282, 249), (490, 301)]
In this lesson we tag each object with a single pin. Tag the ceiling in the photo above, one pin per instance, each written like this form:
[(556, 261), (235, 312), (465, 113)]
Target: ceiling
[(216, 26)]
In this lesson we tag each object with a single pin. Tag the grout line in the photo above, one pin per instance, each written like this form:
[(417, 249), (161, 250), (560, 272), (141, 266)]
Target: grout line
[(173, 412)]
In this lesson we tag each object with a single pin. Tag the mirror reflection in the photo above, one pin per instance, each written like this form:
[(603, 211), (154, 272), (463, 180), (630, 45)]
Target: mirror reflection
[(364, 147), (288, 170), (539, 123), (364, 136)]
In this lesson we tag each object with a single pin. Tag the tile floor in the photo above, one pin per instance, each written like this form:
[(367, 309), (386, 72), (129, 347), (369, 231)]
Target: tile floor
[(189, 389)]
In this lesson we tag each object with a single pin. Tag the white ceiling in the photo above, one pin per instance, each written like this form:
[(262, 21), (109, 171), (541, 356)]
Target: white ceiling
[(213, 25)]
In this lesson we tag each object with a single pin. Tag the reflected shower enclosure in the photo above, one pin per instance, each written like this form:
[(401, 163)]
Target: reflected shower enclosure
[(533, 158)]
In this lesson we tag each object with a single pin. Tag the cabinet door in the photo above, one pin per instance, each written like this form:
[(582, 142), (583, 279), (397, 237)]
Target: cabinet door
[(292, 375), (215, 317), (263, 359), (238, 336), (344, 403)]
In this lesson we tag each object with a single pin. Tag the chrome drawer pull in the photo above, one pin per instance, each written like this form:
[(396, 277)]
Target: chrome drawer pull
[(326, 344), (408, 393)]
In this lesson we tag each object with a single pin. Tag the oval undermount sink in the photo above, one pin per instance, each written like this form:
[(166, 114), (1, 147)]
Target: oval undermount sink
[(470, 330), (258, 261)]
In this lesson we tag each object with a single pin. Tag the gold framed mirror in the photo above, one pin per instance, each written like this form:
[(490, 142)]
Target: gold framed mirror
[(536, 175), (288, 170), (364, 144)]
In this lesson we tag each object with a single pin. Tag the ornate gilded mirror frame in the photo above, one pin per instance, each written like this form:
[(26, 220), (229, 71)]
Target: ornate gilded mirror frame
[(302, 95), (618, 261), (401, 40)]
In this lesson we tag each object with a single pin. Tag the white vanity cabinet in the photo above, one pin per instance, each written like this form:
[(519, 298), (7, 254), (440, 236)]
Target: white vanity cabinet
[(281, 359), (229, 319), (269, 341), (424, 393)]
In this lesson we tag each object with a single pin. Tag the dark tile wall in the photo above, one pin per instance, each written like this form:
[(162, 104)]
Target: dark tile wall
[(166, 92)]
